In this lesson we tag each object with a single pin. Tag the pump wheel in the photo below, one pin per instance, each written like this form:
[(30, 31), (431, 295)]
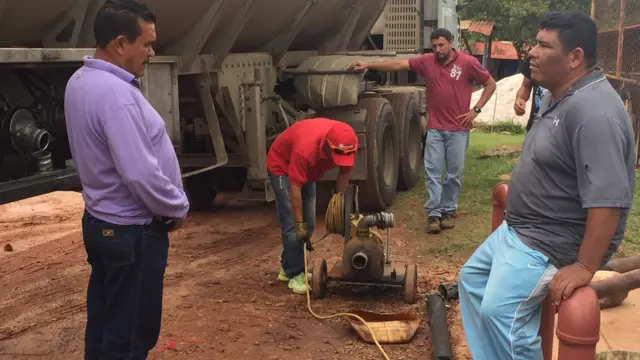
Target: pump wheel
[(407, 113), (319, 279), (383, 155), (411, 284)]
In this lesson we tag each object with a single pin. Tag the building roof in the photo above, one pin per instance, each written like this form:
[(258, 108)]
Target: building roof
[(484, 27), (499, 50)]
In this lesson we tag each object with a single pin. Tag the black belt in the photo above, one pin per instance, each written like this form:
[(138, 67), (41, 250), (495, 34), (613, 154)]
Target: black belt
[(158, 224), (161, 224)]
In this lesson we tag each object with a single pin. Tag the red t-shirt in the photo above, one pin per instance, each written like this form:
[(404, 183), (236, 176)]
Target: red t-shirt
[(449, 87), (299, 152)]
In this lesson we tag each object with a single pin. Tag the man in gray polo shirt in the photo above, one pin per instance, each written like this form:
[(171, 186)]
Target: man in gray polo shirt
[(131, 183), (568, 200)]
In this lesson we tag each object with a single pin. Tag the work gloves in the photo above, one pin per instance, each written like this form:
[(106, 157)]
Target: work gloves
[(302, 235)]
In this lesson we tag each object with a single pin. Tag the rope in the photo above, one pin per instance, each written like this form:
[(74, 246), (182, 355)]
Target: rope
[(334, 223)]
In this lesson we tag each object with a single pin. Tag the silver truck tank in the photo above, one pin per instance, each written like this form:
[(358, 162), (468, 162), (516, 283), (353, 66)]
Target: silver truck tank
[(22, 26)]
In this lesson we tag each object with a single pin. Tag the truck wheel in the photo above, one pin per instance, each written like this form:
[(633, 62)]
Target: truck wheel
[(378, 191), (201, 190), (407, 113)]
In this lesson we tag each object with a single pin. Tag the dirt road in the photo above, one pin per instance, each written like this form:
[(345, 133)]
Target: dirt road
[(222, 296)]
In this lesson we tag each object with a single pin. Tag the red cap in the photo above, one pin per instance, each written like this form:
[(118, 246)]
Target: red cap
[(343, 143)]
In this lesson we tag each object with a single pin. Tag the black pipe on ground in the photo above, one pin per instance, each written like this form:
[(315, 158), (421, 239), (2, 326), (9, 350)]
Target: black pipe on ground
[(449, 290), (436, 312)]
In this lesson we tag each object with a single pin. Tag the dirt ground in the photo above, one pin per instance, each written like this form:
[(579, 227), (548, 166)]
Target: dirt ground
[(222, 296)]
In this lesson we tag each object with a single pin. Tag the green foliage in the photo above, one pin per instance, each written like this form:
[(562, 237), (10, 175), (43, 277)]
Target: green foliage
[(473, 226), (517, 20), (508, 126)]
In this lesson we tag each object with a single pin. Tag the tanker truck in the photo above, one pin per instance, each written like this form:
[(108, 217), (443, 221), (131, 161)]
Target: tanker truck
[(228, 77)]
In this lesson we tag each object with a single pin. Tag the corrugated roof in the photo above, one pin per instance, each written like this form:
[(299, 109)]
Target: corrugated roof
[(499, 50), (484, 27)]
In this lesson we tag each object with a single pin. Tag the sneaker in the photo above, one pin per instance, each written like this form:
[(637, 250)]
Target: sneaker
[(433, 226), (282, 276), (298, 285), (448, 222)]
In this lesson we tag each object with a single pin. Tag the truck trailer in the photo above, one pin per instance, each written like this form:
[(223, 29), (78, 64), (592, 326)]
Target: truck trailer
[(228, 77)]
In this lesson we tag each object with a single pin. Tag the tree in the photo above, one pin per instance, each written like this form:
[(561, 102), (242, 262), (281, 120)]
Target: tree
[(517, 20)]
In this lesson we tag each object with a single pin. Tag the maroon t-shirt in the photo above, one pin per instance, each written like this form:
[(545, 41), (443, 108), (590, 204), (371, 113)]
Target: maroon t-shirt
[(449, 87)]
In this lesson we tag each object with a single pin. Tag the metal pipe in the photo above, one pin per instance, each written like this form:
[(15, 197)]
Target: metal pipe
[(388, 241), (43, 161), (380, 220), (617, 284), (366, 53), (623, 265), (321, 72), (359, 260)]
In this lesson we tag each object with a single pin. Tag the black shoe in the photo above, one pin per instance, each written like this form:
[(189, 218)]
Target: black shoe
[(448, 222), (434, 225)]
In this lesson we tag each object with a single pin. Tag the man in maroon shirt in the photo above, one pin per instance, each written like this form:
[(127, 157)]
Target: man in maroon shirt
[(449, 76), (299, 157)]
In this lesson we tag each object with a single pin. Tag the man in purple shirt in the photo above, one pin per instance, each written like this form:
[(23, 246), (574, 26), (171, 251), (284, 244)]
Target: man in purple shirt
[(131, 184)]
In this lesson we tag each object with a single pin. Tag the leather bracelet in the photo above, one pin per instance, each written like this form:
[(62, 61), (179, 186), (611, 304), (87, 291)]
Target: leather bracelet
[(585, 267)]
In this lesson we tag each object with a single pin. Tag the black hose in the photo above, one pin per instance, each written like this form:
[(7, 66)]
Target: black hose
[(449, 290), (440, 344)]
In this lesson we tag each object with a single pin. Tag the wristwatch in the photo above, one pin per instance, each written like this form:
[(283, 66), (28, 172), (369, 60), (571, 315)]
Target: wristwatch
[(477, 109)]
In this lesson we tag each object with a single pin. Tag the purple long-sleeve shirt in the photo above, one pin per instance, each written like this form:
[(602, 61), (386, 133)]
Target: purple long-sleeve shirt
[(125, 160)]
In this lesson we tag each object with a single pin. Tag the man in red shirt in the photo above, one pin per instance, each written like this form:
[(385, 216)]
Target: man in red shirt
[(449, 76), (298, 158)]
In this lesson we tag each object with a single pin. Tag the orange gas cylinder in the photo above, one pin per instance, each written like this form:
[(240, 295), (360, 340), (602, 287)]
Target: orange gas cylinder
[(579, 325), (499, 203)]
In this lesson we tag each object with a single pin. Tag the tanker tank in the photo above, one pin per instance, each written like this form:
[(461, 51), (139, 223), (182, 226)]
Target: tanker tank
[(228, 77), (265, 20)]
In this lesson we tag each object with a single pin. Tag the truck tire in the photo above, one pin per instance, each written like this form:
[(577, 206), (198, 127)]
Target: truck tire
[(201, 190), (383, 155), (407, 113)]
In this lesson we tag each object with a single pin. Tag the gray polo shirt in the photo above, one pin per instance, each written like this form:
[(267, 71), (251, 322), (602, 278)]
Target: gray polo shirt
[(578, 154)]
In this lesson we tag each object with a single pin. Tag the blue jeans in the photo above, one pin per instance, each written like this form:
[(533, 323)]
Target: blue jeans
[(501, 288), (124, 295), (442, 147), (292, 257)]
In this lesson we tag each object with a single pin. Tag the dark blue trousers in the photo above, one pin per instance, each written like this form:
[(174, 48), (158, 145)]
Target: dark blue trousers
[(124, 295)]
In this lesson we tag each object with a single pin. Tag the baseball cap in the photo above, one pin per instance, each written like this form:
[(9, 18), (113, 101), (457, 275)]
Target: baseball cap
[(343, 142)]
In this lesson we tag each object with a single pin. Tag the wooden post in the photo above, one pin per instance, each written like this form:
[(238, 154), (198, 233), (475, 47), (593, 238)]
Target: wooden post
[(620, 39), (629, 104)]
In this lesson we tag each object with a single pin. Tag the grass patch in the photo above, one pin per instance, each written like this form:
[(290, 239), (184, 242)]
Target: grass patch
[(474, 204), (504, 126), (631, 243)]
